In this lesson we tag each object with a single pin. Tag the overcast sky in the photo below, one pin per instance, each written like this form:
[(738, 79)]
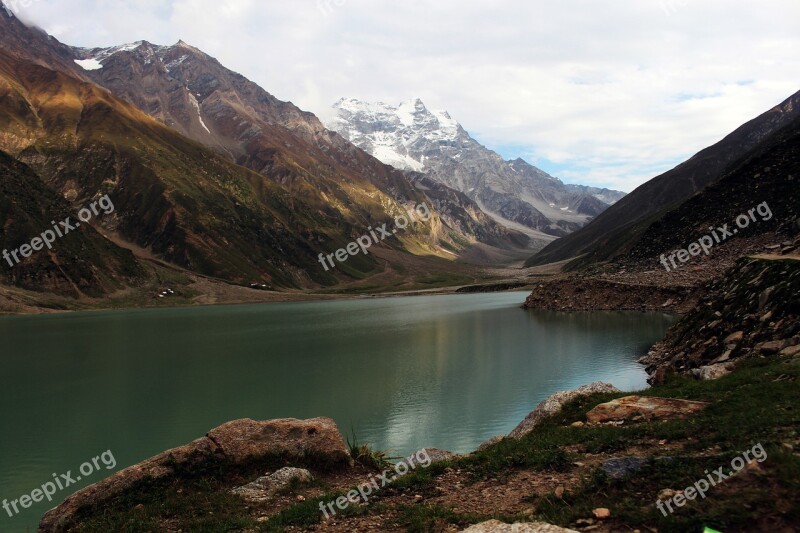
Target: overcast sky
[(603, 92)]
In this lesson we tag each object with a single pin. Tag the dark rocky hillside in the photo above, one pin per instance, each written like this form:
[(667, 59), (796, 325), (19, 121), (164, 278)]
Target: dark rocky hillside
[(770, 174), (616, 230), (82, 263)]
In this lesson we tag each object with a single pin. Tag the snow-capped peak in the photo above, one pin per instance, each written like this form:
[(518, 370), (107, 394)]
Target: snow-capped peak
[(93, 58), (396, 135)]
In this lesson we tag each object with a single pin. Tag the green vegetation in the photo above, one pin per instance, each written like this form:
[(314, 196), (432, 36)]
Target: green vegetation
[(423, 519), (366, 456)]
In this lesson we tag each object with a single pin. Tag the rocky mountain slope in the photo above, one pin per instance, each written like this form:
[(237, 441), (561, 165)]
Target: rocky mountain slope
[(255, 203), (194, 94), (616, 230), (414, 138), (81, 262)]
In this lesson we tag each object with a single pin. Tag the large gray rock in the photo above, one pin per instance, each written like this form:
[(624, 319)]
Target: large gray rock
[(712, 372), (239, 441), (266, 487), (495, 526), (554, 403)]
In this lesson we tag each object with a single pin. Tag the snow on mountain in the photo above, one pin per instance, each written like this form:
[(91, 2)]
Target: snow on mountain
[(90, 57), (394, 133), (411, 137), (89, 64)]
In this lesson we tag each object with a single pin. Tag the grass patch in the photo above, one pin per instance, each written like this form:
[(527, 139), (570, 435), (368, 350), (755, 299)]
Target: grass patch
[(432, 518), (366, 456)]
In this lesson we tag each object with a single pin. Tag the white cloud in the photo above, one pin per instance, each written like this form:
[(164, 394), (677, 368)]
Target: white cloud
[(608, 93)]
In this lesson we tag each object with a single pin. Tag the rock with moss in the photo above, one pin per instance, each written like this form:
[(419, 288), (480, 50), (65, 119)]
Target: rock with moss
[(554, 403), (236, 442)]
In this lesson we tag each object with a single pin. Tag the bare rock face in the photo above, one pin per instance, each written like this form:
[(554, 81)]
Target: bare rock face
[(495, 526), (554, 403), (237, 441), (266, 487), (318, 438), (639, 407)]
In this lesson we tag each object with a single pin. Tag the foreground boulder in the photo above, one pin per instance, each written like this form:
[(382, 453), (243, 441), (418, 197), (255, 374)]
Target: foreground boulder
[(495, 526), (634, 408), (554, 403), (317, 439)]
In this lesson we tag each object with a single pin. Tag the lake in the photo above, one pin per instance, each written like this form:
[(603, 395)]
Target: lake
[(402, 373)]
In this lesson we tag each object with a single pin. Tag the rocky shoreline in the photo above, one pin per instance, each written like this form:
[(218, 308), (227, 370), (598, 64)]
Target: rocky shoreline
[(319, 442)]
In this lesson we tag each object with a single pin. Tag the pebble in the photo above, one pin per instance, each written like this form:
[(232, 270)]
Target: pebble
[(602, 513)]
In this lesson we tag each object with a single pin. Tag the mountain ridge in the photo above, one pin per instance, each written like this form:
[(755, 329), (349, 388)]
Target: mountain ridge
[(414, 138), (253, 209), (616, 230)]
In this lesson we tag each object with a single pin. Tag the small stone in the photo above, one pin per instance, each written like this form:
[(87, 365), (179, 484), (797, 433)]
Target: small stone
[(770, 348), (791, 351), (666, 494), (418, 498), (620, 467), (602, 513), (559, 491), (578, 424), (734, 337), (763, 298), (723, 358)]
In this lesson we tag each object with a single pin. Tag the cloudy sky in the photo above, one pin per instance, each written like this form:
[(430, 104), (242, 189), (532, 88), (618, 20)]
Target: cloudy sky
[(604, 92)]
